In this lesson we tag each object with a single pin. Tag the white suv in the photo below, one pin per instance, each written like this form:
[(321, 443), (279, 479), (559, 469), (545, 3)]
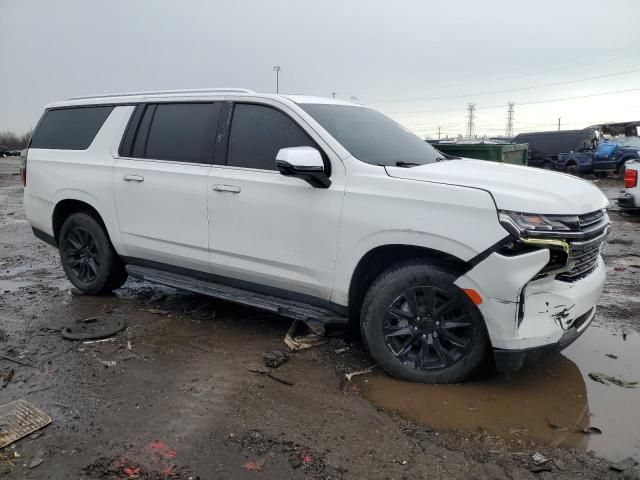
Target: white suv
[(324, 211)]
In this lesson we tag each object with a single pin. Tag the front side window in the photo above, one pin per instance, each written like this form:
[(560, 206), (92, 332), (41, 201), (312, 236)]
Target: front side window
[(178, 132), (257, 134), (372, 137)]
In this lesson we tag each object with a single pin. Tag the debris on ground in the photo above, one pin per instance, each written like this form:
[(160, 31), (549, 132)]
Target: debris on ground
[(158, 311), (623, 465), (342, 350), (204, 312), (267, 373), (93, 328), (108, 363), (611, 355), (605, 379), (19, 419), (539, 459), (349, 376), (545, 467), (302, 342), (7, 375), (37, 459), (15, 360), (254, 466), (275, 358)]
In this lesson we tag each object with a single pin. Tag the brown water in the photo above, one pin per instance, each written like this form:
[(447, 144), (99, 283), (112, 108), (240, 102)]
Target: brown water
[(548, 402)]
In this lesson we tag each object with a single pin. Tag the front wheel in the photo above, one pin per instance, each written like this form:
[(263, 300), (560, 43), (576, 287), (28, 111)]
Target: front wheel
[(421, 327), (88, 258), (573, 170)]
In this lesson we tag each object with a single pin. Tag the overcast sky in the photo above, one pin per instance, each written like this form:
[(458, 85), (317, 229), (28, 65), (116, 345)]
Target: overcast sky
[(398, 56)]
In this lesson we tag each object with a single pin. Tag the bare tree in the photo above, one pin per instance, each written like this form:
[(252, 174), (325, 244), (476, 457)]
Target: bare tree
[(13, 140)]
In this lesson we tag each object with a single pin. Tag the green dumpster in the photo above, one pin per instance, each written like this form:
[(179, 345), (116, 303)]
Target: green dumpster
[(516, 154)]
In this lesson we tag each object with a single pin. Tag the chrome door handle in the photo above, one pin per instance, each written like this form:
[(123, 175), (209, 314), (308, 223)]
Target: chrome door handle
[(133, 178), (226, 188)]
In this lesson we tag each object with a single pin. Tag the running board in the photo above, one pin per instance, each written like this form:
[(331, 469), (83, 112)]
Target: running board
[(289, 308)]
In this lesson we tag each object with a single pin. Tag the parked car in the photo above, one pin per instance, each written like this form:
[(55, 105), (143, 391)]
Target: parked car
[(324, 211), (3, 150), (630, 198), (610, 156), (566, 150)]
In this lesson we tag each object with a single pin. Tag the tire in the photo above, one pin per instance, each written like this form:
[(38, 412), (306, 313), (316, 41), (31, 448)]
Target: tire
[(601, 174), (88, 258), (423, 349), (547, 165), (573, 170)]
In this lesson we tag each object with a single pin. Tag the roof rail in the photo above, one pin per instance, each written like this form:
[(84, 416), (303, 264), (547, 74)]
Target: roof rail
[(168, 92)]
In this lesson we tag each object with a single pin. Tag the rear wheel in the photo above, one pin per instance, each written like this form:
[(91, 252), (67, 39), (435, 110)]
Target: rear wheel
[(421, 327), (88, 258)]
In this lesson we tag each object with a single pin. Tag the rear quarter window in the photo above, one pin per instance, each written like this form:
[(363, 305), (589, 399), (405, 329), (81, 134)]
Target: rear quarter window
[(69, 128)]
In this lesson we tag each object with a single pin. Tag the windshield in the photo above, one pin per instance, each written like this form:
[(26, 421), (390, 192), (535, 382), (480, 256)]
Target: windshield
[(371, 136)]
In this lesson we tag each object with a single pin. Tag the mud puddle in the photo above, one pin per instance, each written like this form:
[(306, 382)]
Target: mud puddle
[(551, 402)]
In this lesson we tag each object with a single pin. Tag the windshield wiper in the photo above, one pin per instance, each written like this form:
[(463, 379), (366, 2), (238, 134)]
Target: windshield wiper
[(407, 164)]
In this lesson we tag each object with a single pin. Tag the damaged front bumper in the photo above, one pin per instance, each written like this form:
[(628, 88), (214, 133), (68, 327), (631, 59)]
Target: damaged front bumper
[(525, 317)]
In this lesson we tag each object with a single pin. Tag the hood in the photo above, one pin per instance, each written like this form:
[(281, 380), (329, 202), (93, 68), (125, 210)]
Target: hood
[(513, 187)]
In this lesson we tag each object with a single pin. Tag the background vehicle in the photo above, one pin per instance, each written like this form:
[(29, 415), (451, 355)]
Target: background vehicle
[(324, 211), (610, 156), (566, 150), (3, 151), (630, 198)]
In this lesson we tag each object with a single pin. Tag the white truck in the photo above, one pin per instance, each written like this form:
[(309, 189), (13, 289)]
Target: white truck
[(320, 210), (630, 198)]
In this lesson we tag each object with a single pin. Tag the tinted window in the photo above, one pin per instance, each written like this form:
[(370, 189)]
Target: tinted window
[(69, 128), (181, 132), (372, 137), (258, 133)]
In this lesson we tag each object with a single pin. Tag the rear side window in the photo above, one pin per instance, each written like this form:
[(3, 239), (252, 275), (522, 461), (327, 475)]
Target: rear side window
[(258, 133), (179, 131), (69, 128)]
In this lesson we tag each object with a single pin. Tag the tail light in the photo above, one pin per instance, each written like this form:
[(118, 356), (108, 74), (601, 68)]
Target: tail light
[(23, 167), (630, 178)]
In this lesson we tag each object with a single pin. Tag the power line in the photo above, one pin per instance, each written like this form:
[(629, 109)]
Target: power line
[(531, 87), (553, 100)]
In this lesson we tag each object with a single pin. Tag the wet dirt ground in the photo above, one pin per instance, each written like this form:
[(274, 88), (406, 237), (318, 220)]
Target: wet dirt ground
[(173, 395)]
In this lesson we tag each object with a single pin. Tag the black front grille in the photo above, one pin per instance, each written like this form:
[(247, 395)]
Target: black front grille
[(584, 250)]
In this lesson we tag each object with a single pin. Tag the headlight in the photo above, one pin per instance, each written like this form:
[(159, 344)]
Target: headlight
[(518, 222)]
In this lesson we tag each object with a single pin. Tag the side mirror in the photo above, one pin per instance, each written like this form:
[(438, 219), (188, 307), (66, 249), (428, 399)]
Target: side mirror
[(305, 163)]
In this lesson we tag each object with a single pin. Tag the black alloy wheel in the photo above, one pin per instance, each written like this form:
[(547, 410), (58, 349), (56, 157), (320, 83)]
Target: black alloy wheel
[(80, 252), (427, 329), (420, 326), (88, 258)]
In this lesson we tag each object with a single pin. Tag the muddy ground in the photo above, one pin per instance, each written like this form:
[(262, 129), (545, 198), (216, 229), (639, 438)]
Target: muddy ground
[(172, 395)]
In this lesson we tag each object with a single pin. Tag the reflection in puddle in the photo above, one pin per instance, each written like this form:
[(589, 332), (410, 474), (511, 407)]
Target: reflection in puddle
[(524, 407)]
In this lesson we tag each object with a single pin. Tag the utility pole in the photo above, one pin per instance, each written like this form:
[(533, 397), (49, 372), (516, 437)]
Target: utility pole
[(438, 133), (559, 123), (471, 120), (509, 130), (277, 70), (333, 94)]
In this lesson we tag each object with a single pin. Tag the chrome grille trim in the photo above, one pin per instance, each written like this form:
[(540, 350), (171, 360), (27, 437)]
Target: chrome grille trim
[(585, 244)]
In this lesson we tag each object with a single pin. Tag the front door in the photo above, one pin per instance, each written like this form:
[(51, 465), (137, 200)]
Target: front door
[(160, 187), (267, 229)]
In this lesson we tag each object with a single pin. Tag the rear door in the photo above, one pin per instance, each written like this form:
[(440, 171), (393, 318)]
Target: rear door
[(160, 183), (268, 230)]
